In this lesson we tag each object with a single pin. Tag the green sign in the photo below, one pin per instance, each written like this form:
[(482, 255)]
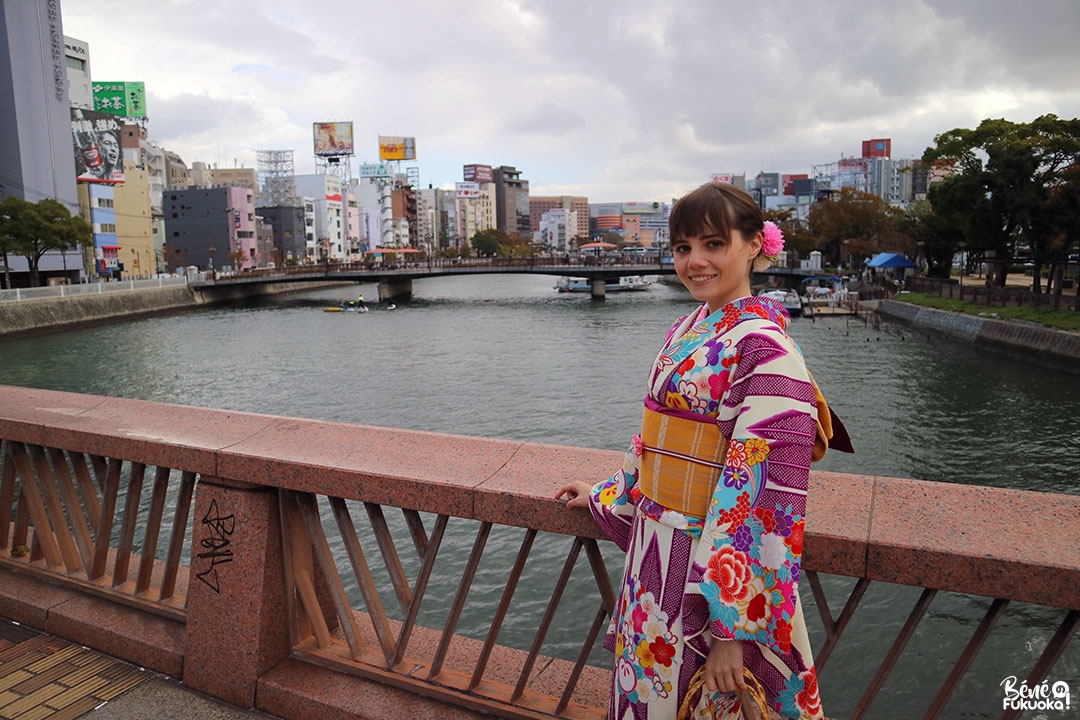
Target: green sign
[(126, 99)]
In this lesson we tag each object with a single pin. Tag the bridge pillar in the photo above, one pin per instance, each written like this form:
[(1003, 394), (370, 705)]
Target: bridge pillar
[(392, 289), (599, 289)]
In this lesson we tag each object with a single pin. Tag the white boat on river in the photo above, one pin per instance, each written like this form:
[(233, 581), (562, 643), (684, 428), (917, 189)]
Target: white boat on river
[(788, 298), (627, 282)]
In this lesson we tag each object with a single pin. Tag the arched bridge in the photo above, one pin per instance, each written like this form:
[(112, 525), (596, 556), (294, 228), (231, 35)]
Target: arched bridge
[(395, 280)]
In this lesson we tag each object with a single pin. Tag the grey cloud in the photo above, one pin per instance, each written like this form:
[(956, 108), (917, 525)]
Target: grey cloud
[(545, 118)]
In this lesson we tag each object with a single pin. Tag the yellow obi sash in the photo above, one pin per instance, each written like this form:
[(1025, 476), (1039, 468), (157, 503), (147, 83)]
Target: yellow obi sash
[(681, 460)]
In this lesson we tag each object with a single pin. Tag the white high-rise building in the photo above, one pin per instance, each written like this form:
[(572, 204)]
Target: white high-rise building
[(330, 218)]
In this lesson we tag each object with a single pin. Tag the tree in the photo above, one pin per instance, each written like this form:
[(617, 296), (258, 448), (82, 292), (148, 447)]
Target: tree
[(487, 243), (850, 225), (932, 234), (1006, 174), (797, 237), (32, 229)]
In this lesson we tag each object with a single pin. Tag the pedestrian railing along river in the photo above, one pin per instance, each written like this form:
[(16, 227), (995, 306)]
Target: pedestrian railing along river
[(96, 288), (265, 542)]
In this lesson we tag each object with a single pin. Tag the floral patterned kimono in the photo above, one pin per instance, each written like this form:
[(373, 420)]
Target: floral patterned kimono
[(733, 574)]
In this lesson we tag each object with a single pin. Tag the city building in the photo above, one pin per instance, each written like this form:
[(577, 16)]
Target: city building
[(77, 58), (558, 226), (540, 204), (134, 228), (325, 192), (403, 208), (176, 172), (210, 228), (35, 126), (293, 228), (511, 200), (97, 205)]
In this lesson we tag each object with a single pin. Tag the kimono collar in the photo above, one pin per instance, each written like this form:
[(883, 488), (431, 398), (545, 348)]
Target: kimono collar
[(736, 311)]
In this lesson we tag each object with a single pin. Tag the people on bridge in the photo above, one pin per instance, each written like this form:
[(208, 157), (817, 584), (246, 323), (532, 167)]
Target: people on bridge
[(710, 502)]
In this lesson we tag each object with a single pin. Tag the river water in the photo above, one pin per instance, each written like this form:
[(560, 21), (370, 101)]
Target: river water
[(506, 356)]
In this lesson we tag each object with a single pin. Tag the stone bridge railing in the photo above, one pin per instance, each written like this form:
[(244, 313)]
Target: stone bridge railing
[(324, 569)]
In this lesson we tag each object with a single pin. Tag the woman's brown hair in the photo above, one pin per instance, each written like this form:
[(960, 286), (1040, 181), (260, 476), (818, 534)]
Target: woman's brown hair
[(715, 208)]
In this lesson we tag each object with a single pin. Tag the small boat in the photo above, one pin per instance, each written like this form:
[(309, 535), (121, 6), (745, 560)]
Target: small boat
[(331, 309), (627, 282), (788, 298)]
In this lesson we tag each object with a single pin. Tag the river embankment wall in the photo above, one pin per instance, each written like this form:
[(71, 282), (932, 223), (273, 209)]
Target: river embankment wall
[(51, 314), (1041, 345)]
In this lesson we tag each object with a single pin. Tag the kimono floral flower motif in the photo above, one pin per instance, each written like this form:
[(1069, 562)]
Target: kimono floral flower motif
[(737, 515), (774, 551), (638, 617), (689, 391), (809, 700), (767, 518), (644, 654), (626, 676), (731, 572), (756, 450), (743, 539), (719, 383), (736, 477), (794, 539), (637, 445), (784, 521), (677, 401), (662, 651), (736, 454), (782, 634), (759, 311), (755, 613)]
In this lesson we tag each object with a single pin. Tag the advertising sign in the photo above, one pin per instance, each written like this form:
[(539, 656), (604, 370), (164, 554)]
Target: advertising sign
[(720, 178), (95, 138), (478, 173), (126, 99), (397, 148), (333, 138), (467, 189), (637, 208), (374, 170)]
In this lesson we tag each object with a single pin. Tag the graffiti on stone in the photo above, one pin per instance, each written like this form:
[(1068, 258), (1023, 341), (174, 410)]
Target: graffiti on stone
[(216, 545)]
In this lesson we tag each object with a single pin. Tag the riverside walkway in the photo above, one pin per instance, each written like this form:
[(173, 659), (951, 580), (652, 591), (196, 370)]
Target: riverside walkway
[(196, 543)]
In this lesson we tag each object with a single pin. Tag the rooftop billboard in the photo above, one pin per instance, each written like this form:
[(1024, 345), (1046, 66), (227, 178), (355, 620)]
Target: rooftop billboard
[(126, 99), (467, 189), (478, 173), (392, 147), (333, 138), (95, 139)]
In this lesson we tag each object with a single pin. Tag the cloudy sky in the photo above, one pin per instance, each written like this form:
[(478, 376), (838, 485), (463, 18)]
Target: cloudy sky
[(614, 99)]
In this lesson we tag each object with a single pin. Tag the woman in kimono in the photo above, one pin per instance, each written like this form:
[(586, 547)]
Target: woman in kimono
[(709, 505)]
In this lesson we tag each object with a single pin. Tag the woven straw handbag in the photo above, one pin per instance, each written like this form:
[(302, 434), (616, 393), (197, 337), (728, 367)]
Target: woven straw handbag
[(754, 695)]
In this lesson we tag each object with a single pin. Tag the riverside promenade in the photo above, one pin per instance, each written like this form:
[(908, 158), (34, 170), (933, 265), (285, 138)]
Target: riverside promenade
[(196, 543)]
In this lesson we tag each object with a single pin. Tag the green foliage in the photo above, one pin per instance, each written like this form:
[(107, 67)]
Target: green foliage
[(1011, 190), (487, 242), (851, 224), (1061, 319), (32, 229)]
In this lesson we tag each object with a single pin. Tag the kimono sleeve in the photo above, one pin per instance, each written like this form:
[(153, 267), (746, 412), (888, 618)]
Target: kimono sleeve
[(612, 501), (750, 553)]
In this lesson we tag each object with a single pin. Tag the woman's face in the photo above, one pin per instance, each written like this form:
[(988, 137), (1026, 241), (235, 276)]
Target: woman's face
[(715, 269)]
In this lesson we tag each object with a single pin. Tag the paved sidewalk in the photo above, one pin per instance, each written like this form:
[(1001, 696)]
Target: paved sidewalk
[(45, 678)]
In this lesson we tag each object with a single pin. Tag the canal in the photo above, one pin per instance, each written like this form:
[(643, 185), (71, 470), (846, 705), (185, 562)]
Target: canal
[(507, 357)]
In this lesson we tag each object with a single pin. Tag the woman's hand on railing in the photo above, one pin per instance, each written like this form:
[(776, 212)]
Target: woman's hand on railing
[(576, 494)]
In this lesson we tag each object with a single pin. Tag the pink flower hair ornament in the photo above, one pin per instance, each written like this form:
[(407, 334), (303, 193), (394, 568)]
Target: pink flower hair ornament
[(772, 239), (772, 242)]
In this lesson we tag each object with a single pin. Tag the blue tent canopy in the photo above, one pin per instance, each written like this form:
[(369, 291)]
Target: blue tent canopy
[(890, 260)]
